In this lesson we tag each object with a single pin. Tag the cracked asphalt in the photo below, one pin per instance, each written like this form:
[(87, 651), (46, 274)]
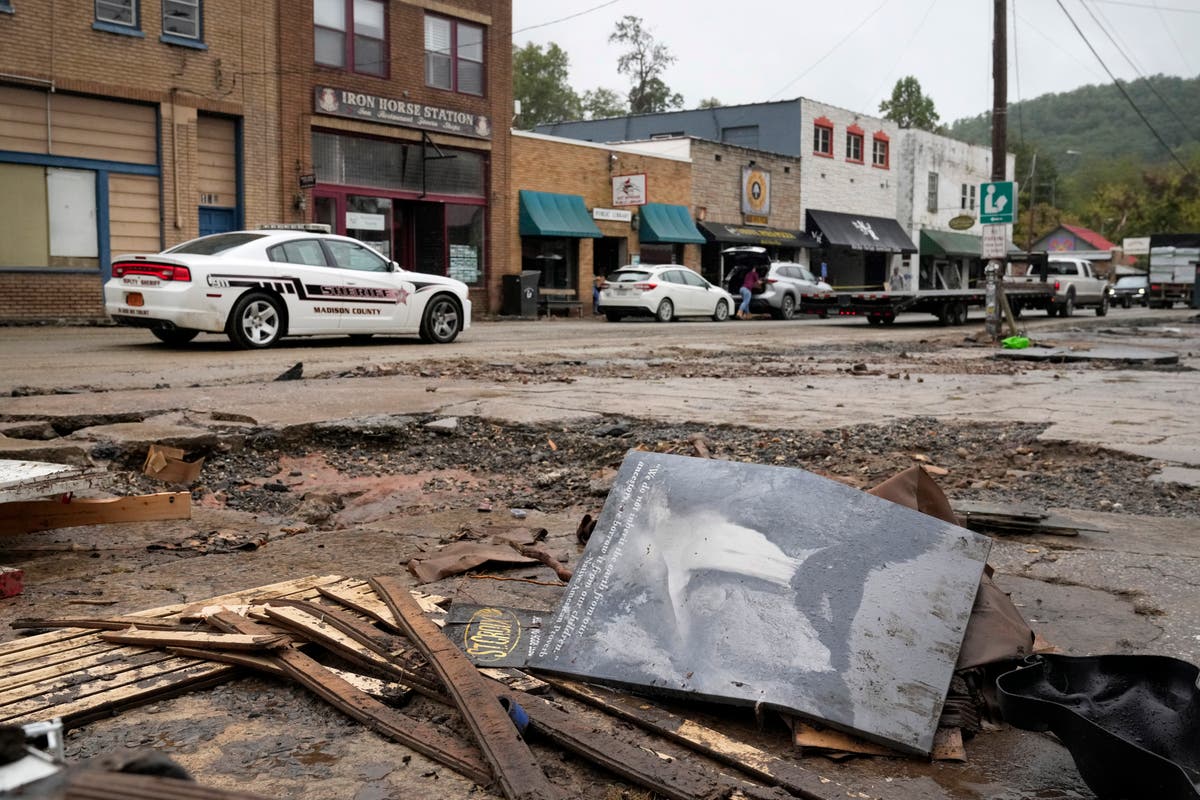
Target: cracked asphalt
[(337, 472)]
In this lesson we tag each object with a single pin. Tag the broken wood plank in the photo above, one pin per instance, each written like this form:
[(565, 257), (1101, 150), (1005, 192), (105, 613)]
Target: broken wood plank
[(95, 623), (421, 737), (752, 761), (515, 767), (102, 667), (364, 601), (29, 516), (26, 480), (223, 641), (377, 654), (676, 780), (813, 737)]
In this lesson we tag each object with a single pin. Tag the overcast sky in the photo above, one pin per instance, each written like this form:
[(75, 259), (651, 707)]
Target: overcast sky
[(850, 53)]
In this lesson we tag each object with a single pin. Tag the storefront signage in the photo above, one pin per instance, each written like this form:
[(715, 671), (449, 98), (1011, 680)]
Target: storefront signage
[(308, 181), (396, 111), (755, 219), (756, 192), (995, 241), (962, 222), (612, 214), (358, 221), (1139, 246), (629, 190), (464, 263)]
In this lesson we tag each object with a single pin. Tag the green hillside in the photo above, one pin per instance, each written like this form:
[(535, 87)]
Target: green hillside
[(1098, 123)]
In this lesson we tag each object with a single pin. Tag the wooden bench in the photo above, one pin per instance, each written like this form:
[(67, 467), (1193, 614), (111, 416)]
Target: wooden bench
[(551, 300)]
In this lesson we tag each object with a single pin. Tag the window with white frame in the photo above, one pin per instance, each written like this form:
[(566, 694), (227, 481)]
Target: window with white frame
[(879, 153), (931, 201), (453, 55), (822, 139), (967, 201), (351, 34), (117, 12), (182, 18), (854, 146)]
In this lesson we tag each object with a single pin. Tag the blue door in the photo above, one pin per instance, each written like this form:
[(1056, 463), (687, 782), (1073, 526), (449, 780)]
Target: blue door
[(217, 220)]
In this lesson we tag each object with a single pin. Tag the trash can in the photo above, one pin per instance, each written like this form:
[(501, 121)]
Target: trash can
[(519, 294)]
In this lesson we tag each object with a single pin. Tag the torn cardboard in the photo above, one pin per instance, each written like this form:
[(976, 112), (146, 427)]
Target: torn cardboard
[(167, 464)]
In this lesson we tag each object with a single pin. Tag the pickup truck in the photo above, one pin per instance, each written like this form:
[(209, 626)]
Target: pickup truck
[(1075, 286)]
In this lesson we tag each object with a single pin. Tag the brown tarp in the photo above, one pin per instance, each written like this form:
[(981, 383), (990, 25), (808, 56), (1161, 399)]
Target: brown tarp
[(463, 556), (996, 630)]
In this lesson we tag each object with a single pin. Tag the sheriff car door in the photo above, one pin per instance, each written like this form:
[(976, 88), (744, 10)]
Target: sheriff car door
[(377, 301), (303, 270)]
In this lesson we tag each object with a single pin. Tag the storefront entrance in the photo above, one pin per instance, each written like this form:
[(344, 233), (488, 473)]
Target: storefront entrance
[(609, 254)]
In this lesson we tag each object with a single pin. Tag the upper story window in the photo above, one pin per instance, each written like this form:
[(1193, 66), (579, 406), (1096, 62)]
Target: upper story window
[(931, 202), (182, 18), (453, 55), (967, 202), (118, 12), (351, 34), (854, 144), (823, 137), (6, 5), (881, 151)]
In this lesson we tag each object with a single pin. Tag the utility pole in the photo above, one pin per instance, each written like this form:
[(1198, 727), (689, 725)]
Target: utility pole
[(999, 148)]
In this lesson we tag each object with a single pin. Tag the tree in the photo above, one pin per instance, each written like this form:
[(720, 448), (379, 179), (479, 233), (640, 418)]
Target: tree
[(540, 84), (710, 102), (644, 62), (909, 107), (600, 103)]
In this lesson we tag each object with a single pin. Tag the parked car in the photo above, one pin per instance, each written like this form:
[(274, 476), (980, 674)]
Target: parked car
[(1130, 290), (259, 286), (783, 284), (662, 291)]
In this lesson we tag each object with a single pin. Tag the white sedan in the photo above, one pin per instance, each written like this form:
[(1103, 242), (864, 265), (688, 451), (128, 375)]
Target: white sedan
[(258, 286), (662, 291)]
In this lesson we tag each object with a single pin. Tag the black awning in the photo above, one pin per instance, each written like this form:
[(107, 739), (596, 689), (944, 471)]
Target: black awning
[(756, 234), (858, 232), (1175, 240)]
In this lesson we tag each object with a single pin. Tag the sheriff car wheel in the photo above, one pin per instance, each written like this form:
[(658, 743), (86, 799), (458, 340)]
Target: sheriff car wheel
[(257, 321)]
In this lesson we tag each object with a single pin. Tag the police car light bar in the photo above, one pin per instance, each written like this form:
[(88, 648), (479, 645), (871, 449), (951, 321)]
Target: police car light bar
[(309, 227)]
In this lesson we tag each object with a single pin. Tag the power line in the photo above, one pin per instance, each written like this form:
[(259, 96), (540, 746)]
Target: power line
[(564, 19), (831, 50), (1171, 35), (1017, 71), (903, 50), (1183, 125), (1143, 5), (1121, 89)]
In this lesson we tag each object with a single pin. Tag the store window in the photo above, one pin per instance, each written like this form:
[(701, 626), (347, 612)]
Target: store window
[(387, 164), (369, 219), (181, 18), (931, 199), (823, 137), (555, 257), (464, 237), (453, 55), (351, 34), (854, 145), (120, 16), (880, 152), (661, 253)]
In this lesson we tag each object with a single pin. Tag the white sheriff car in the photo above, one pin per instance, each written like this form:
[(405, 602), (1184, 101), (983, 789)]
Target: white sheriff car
[(258, 286)]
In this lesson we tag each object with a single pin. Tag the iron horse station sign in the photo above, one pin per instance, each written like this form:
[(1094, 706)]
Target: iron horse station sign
[(396, 111)]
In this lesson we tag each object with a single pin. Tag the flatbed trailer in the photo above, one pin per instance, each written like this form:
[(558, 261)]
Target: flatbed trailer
[(950, 306)]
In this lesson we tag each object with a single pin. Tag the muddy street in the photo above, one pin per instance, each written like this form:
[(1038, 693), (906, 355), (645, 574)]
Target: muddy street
[(381, 453)]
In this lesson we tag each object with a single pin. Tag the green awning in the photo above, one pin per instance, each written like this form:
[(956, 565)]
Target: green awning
[(666, 223), (548, 214), (947, 243)]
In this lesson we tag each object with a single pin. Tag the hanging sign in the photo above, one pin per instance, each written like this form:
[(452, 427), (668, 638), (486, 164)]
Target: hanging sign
[(629, 190), (756, 193)]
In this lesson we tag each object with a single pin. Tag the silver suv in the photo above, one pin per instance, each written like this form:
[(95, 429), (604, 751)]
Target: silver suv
[(783, 283)]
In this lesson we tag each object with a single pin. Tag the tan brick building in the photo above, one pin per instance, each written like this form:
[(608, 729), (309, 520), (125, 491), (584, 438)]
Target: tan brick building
[(132, 125), (580, 210)]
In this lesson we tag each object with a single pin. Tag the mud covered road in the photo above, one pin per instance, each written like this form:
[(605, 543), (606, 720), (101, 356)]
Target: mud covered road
[(342, 472)]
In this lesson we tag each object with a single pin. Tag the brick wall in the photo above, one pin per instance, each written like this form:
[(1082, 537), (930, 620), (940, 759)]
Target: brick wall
[(405, 80), (835, 184), (717, 182), (33, 296), (563, 166)]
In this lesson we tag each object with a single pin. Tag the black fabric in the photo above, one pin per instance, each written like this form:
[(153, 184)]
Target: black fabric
[(1132, 723), (754, 234), (1175, 240), (858, 232)]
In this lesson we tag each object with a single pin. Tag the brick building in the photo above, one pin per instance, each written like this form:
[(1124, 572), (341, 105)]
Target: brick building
[(132, 125), (581, 210)]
